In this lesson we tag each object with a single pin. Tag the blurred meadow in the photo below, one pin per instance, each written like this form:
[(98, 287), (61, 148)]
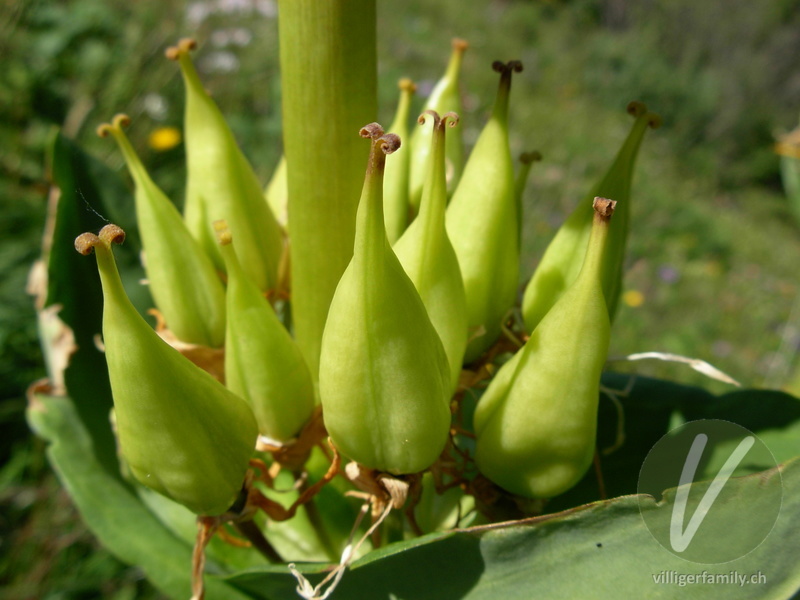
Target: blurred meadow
[(714, 247)]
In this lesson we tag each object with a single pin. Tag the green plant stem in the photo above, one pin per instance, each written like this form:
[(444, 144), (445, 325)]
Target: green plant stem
[(329, 86)]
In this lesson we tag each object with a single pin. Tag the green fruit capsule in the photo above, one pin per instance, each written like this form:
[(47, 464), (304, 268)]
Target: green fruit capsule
[(482, 224), (221, 184), (536, 424), (384, 379), (263, 364), (183, 281), (428, 257), (181, 432), (277, 194), (445, 97), (395, 180), (563, 258)]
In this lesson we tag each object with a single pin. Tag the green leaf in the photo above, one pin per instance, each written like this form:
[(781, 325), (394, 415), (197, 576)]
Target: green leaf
[(602, 550), (90, 196), (650, 407), (111, 509)]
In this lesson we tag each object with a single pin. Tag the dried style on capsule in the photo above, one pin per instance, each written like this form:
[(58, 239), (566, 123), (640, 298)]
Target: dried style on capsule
[(428, 257), (183, 281), (395, 180), (181, 432), (562, 260), (482, 223), (537, 422), (445, 97), (221, 184), (263, 364), (384, 379)]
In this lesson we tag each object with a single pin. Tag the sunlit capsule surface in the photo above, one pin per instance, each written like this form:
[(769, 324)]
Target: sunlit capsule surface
[(536, 424), (181, 432), (384, 377)]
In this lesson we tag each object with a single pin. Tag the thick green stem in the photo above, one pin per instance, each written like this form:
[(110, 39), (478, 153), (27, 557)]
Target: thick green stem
[(328, 78)]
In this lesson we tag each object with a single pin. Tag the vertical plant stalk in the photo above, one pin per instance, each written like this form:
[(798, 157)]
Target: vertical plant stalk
[(329, 83)]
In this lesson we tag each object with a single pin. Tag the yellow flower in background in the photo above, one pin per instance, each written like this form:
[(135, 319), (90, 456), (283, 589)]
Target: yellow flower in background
[(164, 138), (633, 298), (713, 268)]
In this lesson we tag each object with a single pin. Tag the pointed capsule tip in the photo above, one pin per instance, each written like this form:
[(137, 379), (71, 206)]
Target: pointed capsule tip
[(604, 207), (422, 118), (449, 118), (527, 158), (223, 232), (639, 109), (121, 120), (507, 67), (654, 120), (184, 46), (636, 108), (372, 131), (389, 142), (407, 85), (382, 142), (112, 234), (118, 122), (85, 243), (459, 44)]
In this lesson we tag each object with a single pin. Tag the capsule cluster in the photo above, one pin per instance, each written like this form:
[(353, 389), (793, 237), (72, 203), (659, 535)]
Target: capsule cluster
[(424, 303)]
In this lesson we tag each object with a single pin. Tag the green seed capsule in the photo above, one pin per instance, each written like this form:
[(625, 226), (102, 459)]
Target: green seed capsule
[(536, 424), (277, 194), (221, 184), (482, 224), (563, 258), (263, 365), (445, 97), (184, 284), (395, 181), (181, 432), (384, 379), (429, 260)]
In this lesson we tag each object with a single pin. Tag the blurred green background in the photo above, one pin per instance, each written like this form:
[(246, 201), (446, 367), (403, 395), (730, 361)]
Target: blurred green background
[(712, 267)]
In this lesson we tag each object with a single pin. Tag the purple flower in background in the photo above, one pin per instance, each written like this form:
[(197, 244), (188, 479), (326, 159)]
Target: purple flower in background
[(668, 274)]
